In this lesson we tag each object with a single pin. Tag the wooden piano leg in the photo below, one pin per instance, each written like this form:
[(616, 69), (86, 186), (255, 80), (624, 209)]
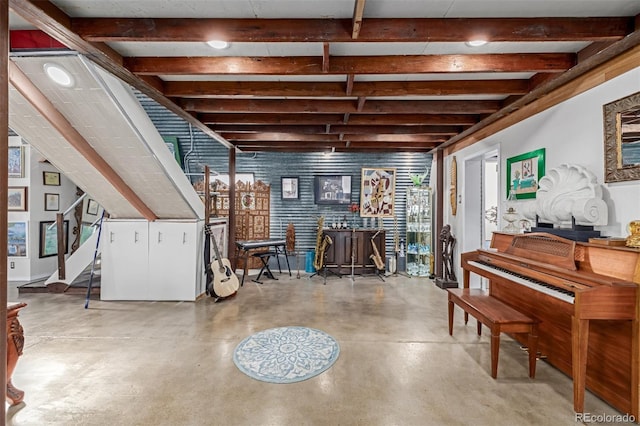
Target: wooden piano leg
[(579, 344), (465, 284), (533, 350), (450, 316), (495, 349)]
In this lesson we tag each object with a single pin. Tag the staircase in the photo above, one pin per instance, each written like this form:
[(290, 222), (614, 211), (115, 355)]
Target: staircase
[(77, 273)]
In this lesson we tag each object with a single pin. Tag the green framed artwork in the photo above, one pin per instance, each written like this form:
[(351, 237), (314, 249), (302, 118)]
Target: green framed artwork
[(524, 172), (174, 147), (49, 239)]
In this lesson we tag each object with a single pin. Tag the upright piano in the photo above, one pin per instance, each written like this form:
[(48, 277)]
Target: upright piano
[(586, 299)]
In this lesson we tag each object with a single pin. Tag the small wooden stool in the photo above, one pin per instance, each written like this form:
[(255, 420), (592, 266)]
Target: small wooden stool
[(499, 317)]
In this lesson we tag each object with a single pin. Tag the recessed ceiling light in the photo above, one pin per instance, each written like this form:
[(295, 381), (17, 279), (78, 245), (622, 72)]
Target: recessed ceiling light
[(218, 44), (58, 74), (476, 43)]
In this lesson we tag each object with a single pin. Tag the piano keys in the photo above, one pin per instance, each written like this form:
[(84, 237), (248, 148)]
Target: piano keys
[(586, 299)]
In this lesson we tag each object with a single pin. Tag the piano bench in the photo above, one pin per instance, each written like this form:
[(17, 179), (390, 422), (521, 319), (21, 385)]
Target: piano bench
[(499, 317)]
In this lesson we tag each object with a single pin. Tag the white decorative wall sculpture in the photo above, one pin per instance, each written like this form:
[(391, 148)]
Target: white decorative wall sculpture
[(565, 192)]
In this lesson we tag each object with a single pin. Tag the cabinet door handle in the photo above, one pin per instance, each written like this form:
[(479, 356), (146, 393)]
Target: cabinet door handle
[(110, 237), (159, 236), (184, 237), (135, 237)]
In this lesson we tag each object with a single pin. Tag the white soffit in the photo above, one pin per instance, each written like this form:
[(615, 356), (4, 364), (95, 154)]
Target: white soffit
[(97, 117)]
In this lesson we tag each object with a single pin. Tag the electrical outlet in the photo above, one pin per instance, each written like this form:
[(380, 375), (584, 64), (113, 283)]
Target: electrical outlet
[(12, 265)]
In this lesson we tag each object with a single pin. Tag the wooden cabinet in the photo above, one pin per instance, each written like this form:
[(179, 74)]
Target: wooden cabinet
[(347, 242)]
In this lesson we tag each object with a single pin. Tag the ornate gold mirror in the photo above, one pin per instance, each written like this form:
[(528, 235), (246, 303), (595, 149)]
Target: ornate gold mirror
[(622, 139)]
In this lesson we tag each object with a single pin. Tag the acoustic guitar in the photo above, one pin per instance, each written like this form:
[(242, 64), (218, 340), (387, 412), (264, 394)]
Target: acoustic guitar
[(225, 282)]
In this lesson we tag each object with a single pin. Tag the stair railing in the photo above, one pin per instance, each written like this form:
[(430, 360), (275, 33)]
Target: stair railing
[(59, 224)]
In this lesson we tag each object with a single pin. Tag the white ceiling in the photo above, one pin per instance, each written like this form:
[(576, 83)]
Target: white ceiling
[(97, 106)]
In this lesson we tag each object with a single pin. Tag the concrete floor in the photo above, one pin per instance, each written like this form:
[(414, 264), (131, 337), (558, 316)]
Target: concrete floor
[(163, 363)]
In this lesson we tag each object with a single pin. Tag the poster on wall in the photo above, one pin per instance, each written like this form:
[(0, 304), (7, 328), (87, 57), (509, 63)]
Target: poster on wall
[(17, 239), (377, 192)]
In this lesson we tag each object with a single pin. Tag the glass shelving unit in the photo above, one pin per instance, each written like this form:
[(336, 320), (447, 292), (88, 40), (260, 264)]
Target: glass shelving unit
[(419, 231)]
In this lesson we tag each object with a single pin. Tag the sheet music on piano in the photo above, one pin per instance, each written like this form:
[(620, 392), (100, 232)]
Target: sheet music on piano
[(580, 293)]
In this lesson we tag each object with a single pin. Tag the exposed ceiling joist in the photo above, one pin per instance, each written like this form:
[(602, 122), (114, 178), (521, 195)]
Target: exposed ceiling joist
[(342, 30), (365, 67)]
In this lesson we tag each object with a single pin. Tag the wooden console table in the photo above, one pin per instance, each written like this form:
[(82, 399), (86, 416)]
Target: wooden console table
[(15, 343), (338, 255)]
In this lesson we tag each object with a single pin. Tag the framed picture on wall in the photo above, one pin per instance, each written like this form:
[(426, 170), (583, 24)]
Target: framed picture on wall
[(290, 188), (377, 193), (16, 161), (92, 207), (52, 202), (524, 172), (49, 238), (86, 231), (332, 189), (17, 239), (51, 178), (17, 198)]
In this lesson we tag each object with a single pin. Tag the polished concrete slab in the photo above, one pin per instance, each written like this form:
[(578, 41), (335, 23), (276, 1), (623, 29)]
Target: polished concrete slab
[(167, 363)]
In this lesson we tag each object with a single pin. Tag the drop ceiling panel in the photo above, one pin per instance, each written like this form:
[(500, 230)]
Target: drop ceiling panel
[(100, 120), (36, 130)]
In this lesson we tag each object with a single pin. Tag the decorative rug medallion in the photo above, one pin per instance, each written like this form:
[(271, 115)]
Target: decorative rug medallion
[(286, 354)]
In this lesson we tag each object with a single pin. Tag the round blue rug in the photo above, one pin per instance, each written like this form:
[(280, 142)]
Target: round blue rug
[(286, 354)]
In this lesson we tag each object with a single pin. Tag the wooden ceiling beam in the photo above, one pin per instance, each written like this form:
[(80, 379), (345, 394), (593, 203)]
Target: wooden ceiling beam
[(289, 146), (338, 119), (358, 12), (221, 89), (301, 137), (312, 106), (325, 57), (384, 64), (342, 30), (338, 129), (280, 137)]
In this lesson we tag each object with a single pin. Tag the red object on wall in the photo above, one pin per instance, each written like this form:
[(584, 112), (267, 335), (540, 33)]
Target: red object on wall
[(32, 40)]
